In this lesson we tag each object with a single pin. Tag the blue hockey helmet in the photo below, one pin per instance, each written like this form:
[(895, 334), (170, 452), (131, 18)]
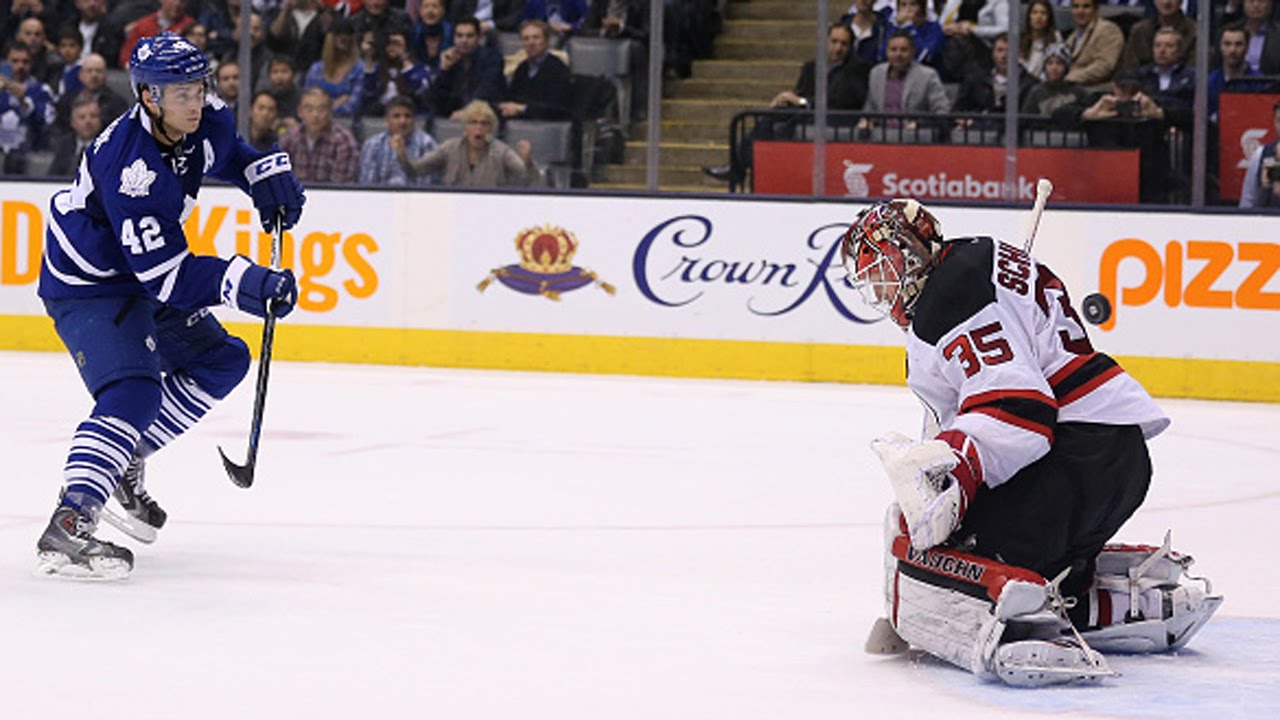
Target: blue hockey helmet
[(166, 59)]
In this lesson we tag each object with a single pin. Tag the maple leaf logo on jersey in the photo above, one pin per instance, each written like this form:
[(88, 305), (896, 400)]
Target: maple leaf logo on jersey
[(136, 179)]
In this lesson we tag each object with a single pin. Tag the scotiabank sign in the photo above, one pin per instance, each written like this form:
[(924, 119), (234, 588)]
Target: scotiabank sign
[(947, 172), (1244, 125)]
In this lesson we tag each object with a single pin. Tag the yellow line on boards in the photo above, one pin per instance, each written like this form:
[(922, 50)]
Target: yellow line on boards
[(674, 357)]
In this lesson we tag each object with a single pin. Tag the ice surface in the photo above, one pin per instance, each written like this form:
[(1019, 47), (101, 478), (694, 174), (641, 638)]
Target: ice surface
[(464, 544)]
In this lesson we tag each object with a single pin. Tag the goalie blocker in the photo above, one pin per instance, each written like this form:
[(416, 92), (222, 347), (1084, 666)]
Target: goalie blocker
[(997, 620)]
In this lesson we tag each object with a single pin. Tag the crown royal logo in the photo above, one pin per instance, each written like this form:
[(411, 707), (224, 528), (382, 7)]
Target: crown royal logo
[(546, 265)]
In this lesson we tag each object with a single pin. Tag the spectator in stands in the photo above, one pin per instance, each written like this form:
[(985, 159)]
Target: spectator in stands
[(628, 19), (1263, 53), (321, 151), (70, 47), (26, 109), (493, 15), (220, 31), (1231, 48), (970, 28), (379, 164), (1039, 33), (431, 35), (539, 89), (468, 71), (338, 71), (926, 35), (259, 54), (264, 121), (900, 84), (379, 17), (227, 83), (1138, 48), (1261, 188), (476, 159), (1095, 45), (282, 84), (846, 90), (624, 20), (1125, 101), (390, 72), (98, 37), (1056, 97), (297, 31), (46, 65), (562, 16), (870, 31), (1127, 117), (1168, 80), (170, 17), (197, 35), (984, 91), (93, 85), (68, 149), (16, 11)]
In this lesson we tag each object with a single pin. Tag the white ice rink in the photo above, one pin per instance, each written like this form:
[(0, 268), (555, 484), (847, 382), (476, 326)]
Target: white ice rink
[(449, 544)]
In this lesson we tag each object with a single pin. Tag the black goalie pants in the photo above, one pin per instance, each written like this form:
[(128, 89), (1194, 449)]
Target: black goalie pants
[(1059, 511)]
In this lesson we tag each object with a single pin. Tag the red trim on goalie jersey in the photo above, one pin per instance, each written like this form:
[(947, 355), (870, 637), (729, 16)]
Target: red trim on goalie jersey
[(1026, 409), (1082, 376), (961, 571)]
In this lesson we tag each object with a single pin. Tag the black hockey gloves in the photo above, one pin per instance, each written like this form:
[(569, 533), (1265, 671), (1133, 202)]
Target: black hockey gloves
[(248, 287), (273, 185)]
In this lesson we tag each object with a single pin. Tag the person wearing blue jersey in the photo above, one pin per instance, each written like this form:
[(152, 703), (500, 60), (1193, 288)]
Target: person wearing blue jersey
[(130, 300)]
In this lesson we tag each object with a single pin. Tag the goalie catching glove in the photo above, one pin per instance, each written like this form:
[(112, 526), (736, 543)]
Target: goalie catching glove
[(933, 481)]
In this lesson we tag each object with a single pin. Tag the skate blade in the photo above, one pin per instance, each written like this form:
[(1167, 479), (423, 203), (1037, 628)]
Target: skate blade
[(56, 564), (129, 525)]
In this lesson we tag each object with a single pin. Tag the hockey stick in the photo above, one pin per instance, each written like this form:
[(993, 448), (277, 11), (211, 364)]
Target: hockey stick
[(1044, 189), (242, 475)]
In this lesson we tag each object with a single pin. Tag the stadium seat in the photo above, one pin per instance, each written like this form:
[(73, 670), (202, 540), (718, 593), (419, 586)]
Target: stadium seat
[(552, 146), (38, 162), (1055, 138), (606, 57), (443, 128)]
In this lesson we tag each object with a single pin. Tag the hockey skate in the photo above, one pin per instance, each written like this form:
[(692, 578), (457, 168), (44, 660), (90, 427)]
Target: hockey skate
[(143, 516), (68, 548)]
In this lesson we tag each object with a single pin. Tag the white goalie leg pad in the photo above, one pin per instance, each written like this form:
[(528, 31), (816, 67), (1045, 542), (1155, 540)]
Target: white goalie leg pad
[(957, 606), (1145, 600)]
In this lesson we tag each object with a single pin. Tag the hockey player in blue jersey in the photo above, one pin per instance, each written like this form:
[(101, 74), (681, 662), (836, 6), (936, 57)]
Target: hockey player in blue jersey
[(130, 301)]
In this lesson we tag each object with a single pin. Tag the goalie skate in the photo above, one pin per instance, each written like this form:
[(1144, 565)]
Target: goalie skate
[(1036, 663), (142, 516), (1163, 605), (68, 549)]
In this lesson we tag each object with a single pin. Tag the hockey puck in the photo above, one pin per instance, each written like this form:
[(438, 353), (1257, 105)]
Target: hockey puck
[(1097, 308)]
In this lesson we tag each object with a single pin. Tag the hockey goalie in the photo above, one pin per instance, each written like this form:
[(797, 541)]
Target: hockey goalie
[(1034, 454)]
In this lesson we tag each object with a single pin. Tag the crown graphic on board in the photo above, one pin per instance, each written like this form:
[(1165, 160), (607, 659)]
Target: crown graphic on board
[(547, 249), (546, 265)]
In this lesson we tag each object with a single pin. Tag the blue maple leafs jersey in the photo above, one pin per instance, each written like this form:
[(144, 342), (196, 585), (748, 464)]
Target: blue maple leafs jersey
[(118, 229)]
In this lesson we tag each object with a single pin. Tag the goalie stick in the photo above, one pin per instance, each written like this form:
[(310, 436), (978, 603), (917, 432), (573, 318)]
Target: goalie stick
[(1044, 188), (242, 475)]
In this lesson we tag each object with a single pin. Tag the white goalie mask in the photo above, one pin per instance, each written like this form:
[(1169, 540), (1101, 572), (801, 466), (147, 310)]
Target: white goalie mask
[(888, 252)]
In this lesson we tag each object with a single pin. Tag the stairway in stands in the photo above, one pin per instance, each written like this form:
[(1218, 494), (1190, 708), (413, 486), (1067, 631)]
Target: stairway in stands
[(758, 55)]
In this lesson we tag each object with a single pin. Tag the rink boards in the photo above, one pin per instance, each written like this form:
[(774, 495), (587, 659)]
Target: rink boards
[(691, 287)]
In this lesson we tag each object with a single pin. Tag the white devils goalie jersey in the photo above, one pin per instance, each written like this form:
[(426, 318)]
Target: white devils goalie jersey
[(118, 229), (996, 351)]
